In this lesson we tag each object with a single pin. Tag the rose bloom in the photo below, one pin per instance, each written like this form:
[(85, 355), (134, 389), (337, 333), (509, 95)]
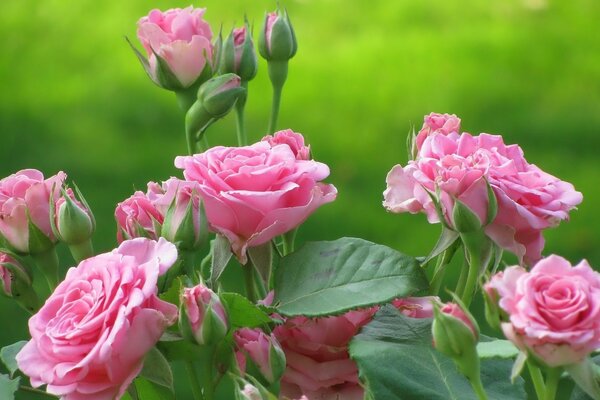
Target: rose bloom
[(90, 337), (294, 140), (181, 37), (553, 310), (252, 194), (458, 165), (26, 193)]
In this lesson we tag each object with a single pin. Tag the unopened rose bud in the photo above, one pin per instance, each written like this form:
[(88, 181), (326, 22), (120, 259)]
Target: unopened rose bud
[(137, 216), (491, 308), (238, 54), (218, 95), (73, 223), (16, 281), (263, 350), (455, 334), (277, 40), (185, 223), (250, 392), (203, 316)]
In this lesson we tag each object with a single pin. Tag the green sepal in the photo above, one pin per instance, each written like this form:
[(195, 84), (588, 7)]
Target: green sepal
[(38, 241), (492, 210), (464, 219), (164, 76), (143, 60), (221, 254)]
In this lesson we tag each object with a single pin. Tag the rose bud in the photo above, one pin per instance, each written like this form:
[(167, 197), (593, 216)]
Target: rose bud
[(202, 318), (216, 97), (178, 44), (238, 55), (16, 280), (137, 216), (263, 350), (455, 334), (277, 40), (185, 222), (250, 392), (295, 141), (73, 223), (492, 311)]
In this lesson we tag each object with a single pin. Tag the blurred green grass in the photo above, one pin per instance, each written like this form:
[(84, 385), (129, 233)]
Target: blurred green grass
[(74, 98)]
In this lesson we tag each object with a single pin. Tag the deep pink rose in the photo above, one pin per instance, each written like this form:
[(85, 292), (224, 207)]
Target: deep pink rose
[(252, 194), (138, 216), (264, 351), (294, 140), (181, 37), (27, 193), (318, 363), (90, 337), (553, 310), (458, 165)]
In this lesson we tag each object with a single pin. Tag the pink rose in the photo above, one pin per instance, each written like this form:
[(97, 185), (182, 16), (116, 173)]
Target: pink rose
[(437, 123), (416, 307), (90, 337), (264, 351), (182, 38), (205, 314), (457, 312), (138, 216), (458, 166), (294, 140), (553, 310), (318, 363), (252, 194), (22, 194)]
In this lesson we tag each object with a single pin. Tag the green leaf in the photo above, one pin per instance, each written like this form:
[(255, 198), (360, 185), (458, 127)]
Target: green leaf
[(8, 387), (8, 355), (324, 278), (148, 390), (221, 250), (241, 311), (174, 347), (587, 377), (447, 238), (173, 294), (262, 258), (397, 362), (157, 369), (497, 349)]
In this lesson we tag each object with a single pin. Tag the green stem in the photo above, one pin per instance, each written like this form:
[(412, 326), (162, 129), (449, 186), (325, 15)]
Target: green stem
[(275, 109), (37, 391), (81, 251), (48, 263), (196, 387), (278, 75), (440, 269), (478, 388), (462, 280), (187, 97), (552, 378), (538, 380), (208, 379), (189, 265), (472, 277), (249, 280), (240, 105), (288, 241)]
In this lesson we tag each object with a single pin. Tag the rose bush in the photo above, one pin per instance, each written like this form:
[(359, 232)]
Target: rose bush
[(553, 310), (90, 337), (252, 194), (180, 37), (459, 166), (25, 196)]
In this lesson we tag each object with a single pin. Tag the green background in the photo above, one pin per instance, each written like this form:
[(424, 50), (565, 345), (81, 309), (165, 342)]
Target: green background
[(73, 97)]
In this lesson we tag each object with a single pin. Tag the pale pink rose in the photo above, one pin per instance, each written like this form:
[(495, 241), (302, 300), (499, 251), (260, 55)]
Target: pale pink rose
[(27, 193), (416, 307), (553, 310), (437, 123), (90, 337), (264, 351), (252, 194), (205, 314), (294, 140), (137, 216), (458, 165), (318, 363), (181, 37)]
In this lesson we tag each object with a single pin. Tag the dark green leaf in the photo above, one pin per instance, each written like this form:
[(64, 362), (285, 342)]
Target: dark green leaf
[(397, 362), (324, 278), (242, 313), (8, 354)]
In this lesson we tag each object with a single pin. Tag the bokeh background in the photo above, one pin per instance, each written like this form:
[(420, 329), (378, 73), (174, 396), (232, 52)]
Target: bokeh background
[(73, 97)]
